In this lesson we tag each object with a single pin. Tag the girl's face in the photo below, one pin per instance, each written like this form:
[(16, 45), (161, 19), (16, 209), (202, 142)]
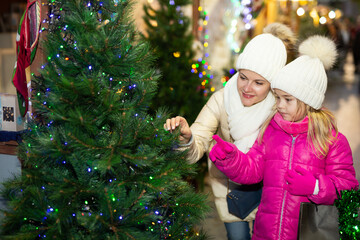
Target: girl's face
[(289, 107), (252, 87)]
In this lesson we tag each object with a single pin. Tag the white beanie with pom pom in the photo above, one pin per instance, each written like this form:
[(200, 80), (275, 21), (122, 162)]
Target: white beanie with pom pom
[(265, 54), (305, 77)]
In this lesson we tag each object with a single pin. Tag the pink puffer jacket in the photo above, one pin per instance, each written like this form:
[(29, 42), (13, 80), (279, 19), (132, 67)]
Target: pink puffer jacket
[(284, 147)]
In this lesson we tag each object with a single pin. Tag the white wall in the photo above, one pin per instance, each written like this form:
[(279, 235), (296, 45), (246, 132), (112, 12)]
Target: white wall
[(9, 165)]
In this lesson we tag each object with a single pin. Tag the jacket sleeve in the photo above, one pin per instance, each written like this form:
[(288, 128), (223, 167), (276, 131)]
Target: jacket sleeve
[(204, 127), (244, 168), (339, 173)]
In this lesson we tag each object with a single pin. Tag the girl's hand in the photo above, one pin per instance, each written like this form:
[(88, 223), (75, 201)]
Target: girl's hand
[(300, 182), (185, 132), (221, 149)]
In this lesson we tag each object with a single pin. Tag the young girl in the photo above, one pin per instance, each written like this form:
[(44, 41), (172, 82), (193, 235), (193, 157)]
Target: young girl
[(299, 155), (236, 113)]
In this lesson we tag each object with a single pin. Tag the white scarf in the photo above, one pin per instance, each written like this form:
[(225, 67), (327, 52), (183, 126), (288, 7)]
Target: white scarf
[(245, 122)]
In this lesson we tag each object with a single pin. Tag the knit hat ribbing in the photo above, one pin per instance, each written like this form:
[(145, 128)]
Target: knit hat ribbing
[(265, 54), (305, 77)]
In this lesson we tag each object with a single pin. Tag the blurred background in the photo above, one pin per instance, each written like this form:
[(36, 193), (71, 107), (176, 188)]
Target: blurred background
[(197, 45)]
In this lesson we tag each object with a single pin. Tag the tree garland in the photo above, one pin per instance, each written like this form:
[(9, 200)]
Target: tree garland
[(349, 221)]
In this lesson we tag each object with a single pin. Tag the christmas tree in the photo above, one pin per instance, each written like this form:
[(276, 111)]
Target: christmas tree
[(183, 84), (96, 164)]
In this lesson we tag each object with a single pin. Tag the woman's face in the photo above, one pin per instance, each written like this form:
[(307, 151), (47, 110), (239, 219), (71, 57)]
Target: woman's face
[(252, 87)]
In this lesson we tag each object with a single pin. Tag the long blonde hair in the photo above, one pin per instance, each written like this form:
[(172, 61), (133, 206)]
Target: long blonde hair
[(321, 125)]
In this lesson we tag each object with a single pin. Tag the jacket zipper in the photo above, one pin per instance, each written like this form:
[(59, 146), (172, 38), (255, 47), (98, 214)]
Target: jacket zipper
[(290, 164)]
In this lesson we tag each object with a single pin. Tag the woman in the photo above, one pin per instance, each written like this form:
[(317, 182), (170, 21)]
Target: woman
[(236, 113)]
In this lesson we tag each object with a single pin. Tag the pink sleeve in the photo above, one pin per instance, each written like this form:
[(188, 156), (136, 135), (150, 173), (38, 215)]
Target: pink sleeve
[(339, 172), (244, 168)]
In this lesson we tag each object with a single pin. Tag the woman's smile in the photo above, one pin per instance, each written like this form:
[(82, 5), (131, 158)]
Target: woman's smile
[(247, 96)]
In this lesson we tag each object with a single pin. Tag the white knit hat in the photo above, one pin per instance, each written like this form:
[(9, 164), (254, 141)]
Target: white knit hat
[(265, 54), (305, 77)]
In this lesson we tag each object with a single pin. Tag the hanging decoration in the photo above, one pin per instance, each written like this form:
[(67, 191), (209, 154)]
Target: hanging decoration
[(26, 45), (240, 19), (205, 75)]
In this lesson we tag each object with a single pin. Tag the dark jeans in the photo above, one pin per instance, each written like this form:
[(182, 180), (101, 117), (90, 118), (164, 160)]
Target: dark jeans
[(238, 231)]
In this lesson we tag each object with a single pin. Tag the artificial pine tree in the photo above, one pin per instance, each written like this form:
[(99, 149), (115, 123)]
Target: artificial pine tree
[(96, 165), (168, 32)]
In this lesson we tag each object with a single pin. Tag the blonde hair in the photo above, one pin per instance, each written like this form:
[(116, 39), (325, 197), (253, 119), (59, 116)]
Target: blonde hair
[(321, 125)]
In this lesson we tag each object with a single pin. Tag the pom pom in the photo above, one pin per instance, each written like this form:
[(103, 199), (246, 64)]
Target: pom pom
[(320, 47), (283, 32)]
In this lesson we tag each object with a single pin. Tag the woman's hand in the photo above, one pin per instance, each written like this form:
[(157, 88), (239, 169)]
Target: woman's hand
[(185, 131)]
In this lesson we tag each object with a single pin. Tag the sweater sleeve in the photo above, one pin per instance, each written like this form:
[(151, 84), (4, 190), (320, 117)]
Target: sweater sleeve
[(244, 168), (204, 127), (339, 172)]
